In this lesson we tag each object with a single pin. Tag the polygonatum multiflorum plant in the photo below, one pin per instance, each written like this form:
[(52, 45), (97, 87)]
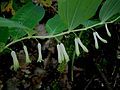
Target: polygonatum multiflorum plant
[(71, 16)]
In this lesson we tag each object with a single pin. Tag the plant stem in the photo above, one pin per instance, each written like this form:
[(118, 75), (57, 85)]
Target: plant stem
[(63, 33), (72, 66)]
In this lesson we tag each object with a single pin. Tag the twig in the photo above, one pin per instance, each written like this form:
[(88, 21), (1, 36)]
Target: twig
[(104, 77), (89, 83)]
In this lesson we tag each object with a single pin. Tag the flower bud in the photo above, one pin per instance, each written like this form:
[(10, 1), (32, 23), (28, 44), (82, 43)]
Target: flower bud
[(26, 54), (39, 53), (15, 61)]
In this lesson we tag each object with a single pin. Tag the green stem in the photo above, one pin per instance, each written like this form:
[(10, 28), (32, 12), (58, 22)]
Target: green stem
[(73, 58), (72, 66), (114, 20), (63, 33)]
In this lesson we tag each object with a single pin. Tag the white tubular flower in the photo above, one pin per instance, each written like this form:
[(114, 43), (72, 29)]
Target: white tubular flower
[(108, 32), (101, 39), (60, 56), (15, 61), (26, 54), (61, 53), (96, 41), (39, 53), (77, 47), (66, 57), (81, 44)]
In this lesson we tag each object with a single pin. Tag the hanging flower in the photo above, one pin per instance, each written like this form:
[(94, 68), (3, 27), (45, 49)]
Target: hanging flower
[(78, 42), (39, 53), (66, 57), (100, 38), (81, 44), (15, 61), (108, 32), (26, 54), (96, 35), (77, 47), (96, 41), (62, 54)]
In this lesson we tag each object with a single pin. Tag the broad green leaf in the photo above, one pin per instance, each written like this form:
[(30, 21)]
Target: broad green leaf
[(2, 45), (29, 15), (88, 23), (109, 8), (55, 25), (4, 34), (116, 16), (12, 24), (17, 33), (74, 12)]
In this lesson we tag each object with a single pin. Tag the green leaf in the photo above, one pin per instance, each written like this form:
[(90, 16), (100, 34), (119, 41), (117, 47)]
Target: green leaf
[(109, 8), (29, 15), (17, 33), (88, 23), (13, 25), (9, 23), (55, 25), (4, 34), (115, 17), (74, 12)]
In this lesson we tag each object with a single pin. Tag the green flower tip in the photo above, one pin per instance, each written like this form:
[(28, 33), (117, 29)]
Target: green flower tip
[(15, 61)]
